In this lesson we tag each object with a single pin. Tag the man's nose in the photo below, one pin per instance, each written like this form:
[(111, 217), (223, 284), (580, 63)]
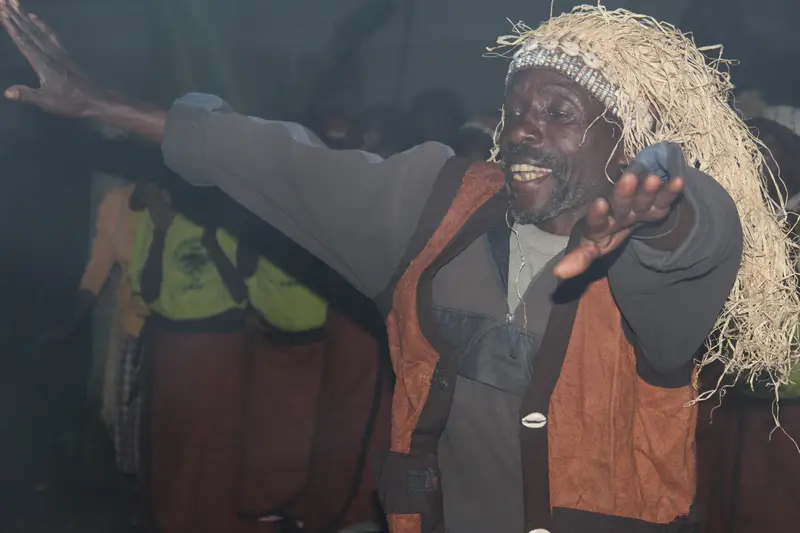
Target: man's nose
[(526, 131)]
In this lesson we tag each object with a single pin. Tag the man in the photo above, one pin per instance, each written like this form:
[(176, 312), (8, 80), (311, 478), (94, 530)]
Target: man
[(522, 403)]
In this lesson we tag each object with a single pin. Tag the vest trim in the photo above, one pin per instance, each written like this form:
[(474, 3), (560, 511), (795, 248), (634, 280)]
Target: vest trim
[(547, 367), (441, 197)]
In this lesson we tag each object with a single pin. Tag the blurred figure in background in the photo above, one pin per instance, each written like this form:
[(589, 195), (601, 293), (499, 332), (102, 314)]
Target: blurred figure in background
[(476, 137), (783, 158), (196, 361), (436, 115), (751, 105), (335, 129), (120, 215), (382, 129)]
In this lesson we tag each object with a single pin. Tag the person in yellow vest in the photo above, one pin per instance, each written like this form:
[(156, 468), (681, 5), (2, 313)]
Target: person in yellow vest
[(314, 411), (288, 350), (196, 354)]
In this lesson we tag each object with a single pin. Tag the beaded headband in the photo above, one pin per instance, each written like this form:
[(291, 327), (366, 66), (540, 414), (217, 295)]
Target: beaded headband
[(567, 59)]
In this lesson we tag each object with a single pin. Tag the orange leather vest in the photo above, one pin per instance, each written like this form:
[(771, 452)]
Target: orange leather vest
[(597, 439)]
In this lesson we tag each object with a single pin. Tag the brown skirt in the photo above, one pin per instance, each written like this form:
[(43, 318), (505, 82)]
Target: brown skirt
[(354, 417), (195, 429), (283, 386)]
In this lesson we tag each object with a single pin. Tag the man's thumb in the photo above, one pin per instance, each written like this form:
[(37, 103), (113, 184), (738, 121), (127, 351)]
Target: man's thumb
[(21, 93)]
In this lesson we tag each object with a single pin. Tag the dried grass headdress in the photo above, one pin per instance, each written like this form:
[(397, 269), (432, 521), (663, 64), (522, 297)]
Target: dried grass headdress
[(660, 87)]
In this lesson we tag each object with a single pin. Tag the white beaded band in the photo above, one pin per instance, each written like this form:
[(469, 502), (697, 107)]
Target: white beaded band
[(567, 59)]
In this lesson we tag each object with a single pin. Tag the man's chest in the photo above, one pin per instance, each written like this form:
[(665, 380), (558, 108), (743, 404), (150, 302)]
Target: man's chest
[(471, 314)]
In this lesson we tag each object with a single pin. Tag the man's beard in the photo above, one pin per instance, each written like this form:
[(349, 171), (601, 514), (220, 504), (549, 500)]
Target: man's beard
[(562, 196)]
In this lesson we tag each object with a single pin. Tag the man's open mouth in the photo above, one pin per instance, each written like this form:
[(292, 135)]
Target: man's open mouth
[(528, 172)]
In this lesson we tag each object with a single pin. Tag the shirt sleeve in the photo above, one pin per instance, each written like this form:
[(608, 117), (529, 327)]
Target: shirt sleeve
[(352, 209), (671, 300), (102, 257)]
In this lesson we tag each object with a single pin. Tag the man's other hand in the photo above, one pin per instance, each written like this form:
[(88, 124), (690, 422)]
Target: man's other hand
[(642, 205), (63, 88)]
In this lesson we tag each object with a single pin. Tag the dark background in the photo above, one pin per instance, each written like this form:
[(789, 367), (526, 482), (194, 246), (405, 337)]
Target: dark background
[(251, 52)]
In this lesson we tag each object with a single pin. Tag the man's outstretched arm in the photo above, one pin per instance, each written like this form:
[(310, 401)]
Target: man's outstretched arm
[(351, 209)]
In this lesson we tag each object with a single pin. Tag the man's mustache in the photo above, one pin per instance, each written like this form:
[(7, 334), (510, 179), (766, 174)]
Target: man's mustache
[(551, 161)]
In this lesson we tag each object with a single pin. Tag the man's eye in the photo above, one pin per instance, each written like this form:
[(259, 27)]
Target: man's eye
[(515, 113), (559, 115)]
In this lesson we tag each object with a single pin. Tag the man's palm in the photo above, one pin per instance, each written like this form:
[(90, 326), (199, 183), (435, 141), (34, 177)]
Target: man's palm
[(610, 222)]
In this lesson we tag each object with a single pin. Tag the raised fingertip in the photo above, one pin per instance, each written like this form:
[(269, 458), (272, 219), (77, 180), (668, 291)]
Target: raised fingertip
[(12, 93), (677, 184), (601, 206), (653, 182)]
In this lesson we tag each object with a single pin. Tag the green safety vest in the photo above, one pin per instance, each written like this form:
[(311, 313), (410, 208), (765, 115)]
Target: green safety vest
[(191, 286), (282, 301)]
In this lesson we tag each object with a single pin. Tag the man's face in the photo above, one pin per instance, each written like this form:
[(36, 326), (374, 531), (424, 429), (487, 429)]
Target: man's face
[(555, 150)]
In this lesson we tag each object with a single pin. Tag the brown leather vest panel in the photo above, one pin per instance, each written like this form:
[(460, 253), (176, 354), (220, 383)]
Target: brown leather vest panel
[(618, 446), (413, 358)]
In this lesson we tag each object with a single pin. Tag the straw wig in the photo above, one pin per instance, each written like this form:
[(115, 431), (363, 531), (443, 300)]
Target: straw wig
[(659, 87)]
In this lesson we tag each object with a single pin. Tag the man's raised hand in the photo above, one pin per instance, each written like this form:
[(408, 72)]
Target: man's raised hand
[(634, 205), (63, 89)]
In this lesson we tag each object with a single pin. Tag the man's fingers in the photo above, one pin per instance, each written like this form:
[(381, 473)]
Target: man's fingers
[(44, 37), (669, 192), (624, 192), (577, 261), (22, 93), (34, 39), (47, 33), (596, 220), (646, 195), (20, 38), (37, 32)]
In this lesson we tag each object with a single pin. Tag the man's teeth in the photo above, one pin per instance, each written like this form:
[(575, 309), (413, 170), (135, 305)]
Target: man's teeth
[(528, 172)]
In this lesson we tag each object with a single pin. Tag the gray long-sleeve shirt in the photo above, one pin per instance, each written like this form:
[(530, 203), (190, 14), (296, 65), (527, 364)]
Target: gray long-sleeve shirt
[(357, 212)]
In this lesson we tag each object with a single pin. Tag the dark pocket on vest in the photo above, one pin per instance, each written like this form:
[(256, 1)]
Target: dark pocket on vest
[(411, 484)]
